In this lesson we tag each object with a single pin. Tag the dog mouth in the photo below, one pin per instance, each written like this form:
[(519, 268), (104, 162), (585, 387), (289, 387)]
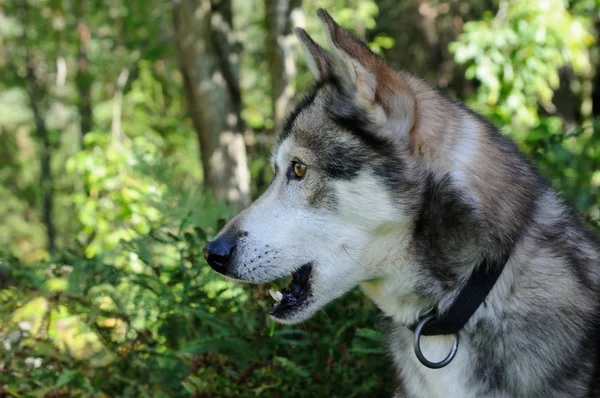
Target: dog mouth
[(293, 297)]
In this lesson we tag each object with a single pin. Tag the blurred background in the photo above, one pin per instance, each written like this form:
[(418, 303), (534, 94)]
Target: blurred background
[(130, 130)]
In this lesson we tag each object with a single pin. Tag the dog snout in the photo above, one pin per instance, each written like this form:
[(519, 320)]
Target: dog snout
[(218, 253)]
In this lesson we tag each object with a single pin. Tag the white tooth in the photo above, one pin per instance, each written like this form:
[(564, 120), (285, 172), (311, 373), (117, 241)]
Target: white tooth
[(277, 296)]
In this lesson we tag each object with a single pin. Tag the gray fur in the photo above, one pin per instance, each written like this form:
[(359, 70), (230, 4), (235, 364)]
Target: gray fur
[(536, 335)]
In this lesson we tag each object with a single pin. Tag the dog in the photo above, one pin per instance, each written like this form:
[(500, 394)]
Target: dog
[(381, 181)]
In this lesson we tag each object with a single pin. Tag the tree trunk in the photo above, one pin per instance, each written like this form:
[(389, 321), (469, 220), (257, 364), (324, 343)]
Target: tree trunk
[(209, 59), (83, 78), (596, 95), (596, 81), (35, 93), (280, 41), (422, 30), (46, 179)]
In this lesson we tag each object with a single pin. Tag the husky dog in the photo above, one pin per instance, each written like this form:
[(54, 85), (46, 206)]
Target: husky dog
[(383, 182)]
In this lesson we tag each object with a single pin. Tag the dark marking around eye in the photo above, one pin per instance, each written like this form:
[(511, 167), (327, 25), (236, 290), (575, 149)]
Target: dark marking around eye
[(291, 174)]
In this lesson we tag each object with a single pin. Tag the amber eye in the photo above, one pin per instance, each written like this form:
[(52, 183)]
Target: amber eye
[(299, 169)]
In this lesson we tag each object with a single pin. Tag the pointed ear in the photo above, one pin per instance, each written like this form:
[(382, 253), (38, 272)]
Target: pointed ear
[(376, 87), (318, 60)]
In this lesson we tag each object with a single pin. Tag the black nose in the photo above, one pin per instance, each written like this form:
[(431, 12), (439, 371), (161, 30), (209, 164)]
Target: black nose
[(218, 253)]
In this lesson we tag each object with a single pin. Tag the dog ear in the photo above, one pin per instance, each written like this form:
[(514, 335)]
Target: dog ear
[(376, 87), (318, 60)]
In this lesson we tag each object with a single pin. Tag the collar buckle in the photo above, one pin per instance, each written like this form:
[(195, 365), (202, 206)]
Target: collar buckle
[(417, 346), (467, 301)]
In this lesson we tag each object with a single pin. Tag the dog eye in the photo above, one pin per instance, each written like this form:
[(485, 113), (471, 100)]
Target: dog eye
[(299, 169)]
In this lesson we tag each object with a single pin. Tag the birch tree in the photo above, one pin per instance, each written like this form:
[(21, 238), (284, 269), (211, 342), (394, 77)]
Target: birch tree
[(209, 57)]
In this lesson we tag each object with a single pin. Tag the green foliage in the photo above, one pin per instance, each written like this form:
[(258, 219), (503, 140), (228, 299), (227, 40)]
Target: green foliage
[(570, 161), (117, 203), (516, 56), (93, 328)]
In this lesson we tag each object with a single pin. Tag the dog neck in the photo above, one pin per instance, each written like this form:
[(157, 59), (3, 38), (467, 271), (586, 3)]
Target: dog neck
[(412, 286)]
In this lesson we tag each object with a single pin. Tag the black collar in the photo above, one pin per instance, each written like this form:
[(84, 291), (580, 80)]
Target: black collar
[(467, 301), (465, 304)]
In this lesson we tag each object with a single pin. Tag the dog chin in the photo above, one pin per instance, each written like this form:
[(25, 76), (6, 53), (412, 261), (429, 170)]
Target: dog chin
[(297, 315)]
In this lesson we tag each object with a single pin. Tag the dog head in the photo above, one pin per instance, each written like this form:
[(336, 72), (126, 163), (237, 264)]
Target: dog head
[(344, 178)]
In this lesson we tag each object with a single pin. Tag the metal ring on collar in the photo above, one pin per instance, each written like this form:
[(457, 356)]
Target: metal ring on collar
[(417, 346)]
